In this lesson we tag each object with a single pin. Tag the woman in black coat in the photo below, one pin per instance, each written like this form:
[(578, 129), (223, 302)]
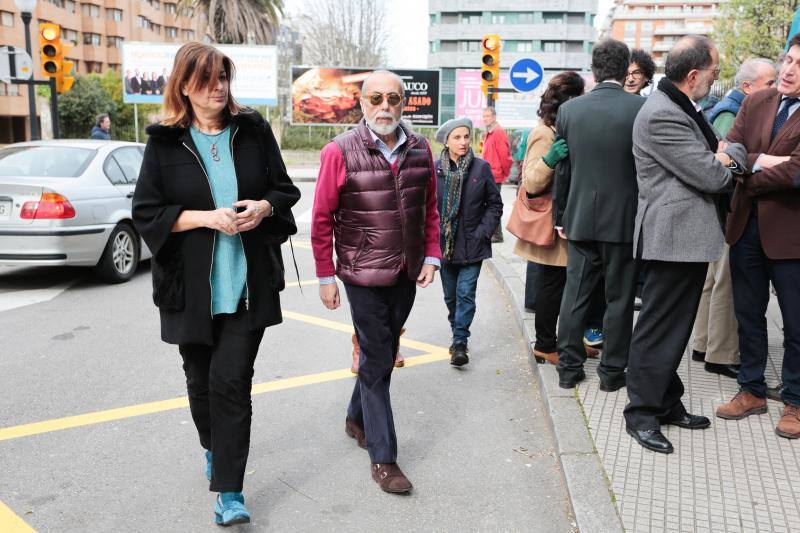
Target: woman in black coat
[(213, 203), (470, 208)]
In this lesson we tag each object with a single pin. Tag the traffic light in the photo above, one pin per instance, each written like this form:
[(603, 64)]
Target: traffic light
[(490, 63), (53, 56)]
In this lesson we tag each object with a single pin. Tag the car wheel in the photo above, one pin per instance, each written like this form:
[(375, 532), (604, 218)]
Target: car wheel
[(121, 255)]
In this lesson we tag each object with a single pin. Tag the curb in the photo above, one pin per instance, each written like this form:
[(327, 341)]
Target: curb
[(587, 483)]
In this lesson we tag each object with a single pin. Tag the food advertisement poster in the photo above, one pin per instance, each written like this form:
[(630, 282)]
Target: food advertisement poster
[(330, 96), (146, 68)]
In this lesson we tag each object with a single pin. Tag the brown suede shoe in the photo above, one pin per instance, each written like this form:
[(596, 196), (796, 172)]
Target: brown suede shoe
[(399, 361), (591, 352), (390, 478), (741, 406), (355, 431), (541, 357), (789, 424)]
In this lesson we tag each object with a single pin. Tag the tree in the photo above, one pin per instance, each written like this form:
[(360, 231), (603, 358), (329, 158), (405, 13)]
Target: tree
[(78, 108), (239, 21), (349, 33), (751, 28)]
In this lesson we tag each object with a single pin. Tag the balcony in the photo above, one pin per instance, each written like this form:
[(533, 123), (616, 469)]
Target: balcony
[(663, 46), (512, 5), (521, 32), (683, 30)]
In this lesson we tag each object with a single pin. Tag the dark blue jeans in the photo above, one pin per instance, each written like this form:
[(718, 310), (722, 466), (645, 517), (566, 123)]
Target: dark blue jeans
[(460, 283), (751, 272)]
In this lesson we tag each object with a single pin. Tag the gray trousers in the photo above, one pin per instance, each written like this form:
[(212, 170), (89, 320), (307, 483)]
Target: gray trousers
[(715, 329)]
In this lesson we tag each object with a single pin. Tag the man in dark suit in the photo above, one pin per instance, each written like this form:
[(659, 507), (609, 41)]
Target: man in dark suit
[(682, 175), (595, 199), (764, 235), (136, 83)]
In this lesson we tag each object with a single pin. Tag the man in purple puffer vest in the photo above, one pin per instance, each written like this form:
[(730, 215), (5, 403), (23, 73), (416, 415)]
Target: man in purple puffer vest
[(375, 202)]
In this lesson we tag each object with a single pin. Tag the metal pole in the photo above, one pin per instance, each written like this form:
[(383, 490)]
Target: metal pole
[(35, 136), (136, 120), (54, 108)]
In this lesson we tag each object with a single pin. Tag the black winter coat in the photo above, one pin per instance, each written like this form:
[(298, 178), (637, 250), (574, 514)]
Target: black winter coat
[(172, 179), (480, 212)]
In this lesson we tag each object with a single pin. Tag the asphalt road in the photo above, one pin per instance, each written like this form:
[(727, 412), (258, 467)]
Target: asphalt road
[(95, 435)]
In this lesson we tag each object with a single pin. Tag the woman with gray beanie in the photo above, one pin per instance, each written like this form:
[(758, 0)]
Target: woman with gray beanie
[(469, 209)]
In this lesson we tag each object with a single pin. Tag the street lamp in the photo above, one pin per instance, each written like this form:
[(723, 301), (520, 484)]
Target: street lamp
[(26, 8)]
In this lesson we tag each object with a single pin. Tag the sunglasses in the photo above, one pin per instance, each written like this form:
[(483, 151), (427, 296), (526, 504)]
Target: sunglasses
[(394, 99)]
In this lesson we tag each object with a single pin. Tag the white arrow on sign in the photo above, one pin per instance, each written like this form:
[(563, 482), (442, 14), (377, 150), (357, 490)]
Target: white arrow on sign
[(529, 76)]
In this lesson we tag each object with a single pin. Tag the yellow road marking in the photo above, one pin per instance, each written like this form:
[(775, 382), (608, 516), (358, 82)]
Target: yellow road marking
[(432, 354), (301, 244), (11, 523), (303, 283)]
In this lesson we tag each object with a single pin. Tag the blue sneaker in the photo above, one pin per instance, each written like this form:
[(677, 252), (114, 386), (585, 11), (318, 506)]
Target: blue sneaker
[(593, 337), (208, 464), (229, 509)]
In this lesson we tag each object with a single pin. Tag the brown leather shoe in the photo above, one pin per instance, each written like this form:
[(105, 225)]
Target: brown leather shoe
[(741, 406), (789, 424), (399, 361), (541, 357), (591, 352), (356, 354), (390, 478), (355, 431)]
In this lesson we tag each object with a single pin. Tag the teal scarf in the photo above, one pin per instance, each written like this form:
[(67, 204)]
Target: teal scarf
[(451, 203)]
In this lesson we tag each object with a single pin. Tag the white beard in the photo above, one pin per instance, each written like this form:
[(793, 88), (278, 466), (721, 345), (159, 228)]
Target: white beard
[(383, 129)]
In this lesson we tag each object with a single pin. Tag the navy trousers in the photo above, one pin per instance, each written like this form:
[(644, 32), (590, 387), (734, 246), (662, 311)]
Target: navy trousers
[(378, 315), (751, 272)]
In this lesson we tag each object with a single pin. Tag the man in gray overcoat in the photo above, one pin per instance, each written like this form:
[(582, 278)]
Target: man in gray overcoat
[(683, 171)]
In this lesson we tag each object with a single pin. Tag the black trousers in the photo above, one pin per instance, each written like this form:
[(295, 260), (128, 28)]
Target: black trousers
[(670, 297), (378, 315), (549, 293), (218, 380), (587, 262), (532, 274), (751, 272)]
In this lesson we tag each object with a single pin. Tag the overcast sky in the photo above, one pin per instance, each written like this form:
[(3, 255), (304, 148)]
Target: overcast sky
[(407, 22)]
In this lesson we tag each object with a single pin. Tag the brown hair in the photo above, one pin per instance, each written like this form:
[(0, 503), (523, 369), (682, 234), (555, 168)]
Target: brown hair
[(561, 88), (196, 67)]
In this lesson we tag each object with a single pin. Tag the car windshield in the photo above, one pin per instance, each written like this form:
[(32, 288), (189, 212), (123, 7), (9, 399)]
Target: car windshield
[(44, 161)]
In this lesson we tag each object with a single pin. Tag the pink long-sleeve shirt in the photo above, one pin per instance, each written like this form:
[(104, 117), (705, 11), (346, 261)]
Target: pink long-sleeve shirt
[(330, 181)]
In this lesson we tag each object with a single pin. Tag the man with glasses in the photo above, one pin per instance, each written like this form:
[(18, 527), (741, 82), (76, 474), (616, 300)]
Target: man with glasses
[(640, 72), (375, 203)]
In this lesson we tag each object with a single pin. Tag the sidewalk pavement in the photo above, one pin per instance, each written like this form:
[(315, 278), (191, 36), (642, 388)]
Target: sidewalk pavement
[(301, 174), (737, 476)]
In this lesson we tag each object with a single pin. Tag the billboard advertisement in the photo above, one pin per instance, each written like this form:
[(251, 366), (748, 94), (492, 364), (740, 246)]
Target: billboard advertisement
[(328, 96), (146, 67)]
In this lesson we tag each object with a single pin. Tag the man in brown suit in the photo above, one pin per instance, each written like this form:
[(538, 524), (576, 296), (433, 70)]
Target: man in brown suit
[(764, 234)]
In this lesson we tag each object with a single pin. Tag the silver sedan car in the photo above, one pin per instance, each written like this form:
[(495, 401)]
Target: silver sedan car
[(68, 202)]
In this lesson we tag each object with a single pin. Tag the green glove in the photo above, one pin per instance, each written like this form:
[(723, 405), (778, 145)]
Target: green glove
[(557, 152)]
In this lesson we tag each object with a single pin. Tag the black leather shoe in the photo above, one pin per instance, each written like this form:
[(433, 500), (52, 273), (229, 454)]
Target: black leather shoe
[(689, 421), (570, 382), (652, 439), (460, 357), (774, 393), (612, 386), (729, 371), (698, 356)]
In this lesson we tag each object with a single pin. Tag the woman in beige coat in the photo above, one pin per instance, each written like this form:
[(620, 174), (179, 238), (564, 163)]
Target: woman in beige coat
[(537, 177)]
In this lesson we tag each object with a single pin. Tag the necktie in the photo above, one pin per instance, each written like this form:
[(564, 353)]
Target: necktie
[(783, 115)]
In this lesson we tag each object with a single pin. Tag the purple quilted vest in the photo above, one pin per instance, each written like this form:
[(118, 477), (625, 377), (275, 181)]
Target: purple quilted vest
[(379, 228)]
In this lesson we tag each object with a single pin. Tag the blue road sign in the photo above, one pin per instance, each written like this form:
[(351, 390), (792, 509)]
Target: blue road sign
[(526, 75)]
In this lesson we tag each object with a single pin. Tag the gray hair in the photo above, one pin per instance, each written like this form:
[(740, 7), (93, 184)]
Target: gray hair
[(391, 74), (748, 71)]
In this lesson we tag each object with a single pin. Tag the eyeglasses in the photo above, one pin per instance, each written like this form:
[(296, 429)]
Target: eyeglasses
[(394, 99), (715, 71), (636, 74)]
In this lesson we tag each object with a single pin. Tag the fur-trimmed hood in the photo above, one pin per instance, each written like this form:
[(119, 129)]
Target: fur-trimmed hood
[(247, 118)]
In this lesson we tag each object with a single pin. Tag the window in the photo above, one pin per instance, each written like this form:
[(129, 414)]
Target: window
[(498, 18), (471, 18), (518, 46), (122, 166), (188, 35), (93, 66), (7, 19), (171, 31), (156, 28), (432, 19), (630, 26), (432, 47), (551, 46), (8, 89), (90, 10), (57, 3), (70, 6), (70, 35), (449, 46), (524, 18), (170, 8), (553, 18), (48, 161), (469, 46), (113, 41), (114, 14), (92, 39)]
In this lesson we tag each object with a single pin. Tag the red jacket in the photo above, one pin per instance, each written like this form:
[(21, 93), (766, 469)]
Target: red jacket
[(497, 152)]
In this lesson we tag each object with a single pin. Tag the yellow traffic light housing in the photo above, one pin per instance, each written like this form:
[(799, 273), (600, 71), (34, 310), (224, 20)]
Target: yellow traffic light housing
[(54, 57), (490, 63)]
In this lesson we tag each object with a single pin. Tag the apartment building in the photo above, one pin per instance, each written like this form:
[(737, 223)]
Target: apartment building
[(557, 33), (655, 25), (97, 28)]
